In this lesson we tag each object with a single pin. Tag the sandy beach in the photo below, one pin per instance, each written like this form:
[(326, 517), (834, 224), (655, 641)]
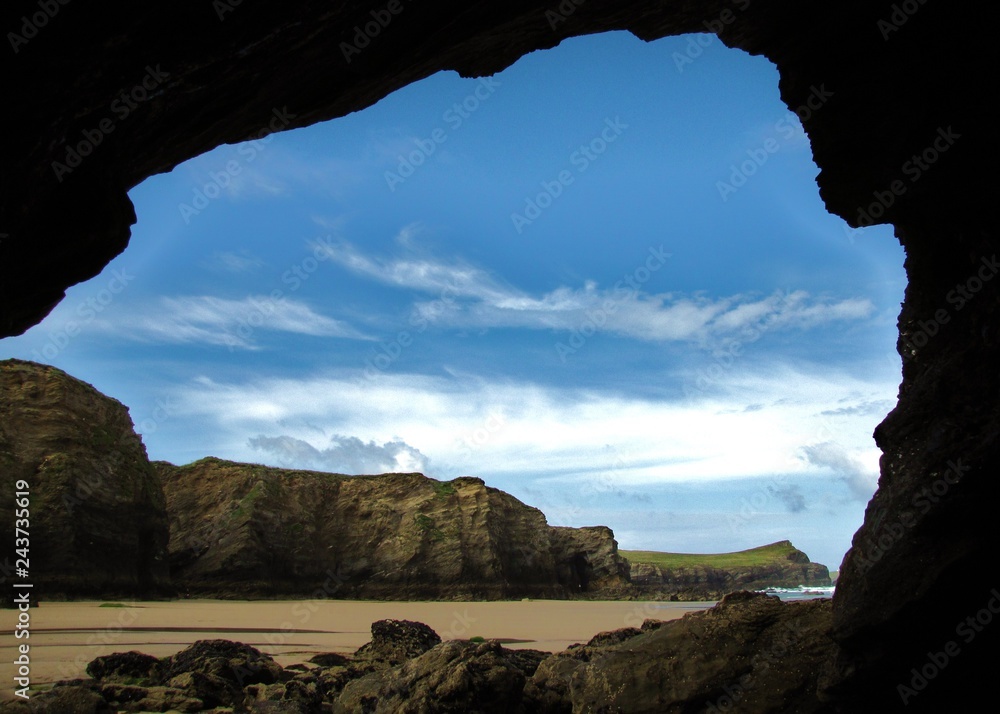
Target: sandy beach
[(65, 636)]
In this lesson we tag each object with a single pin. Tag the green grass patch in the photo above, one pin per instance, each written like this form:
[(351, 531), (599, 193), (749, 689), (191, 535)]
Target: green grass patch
[(764, 555), (246, 504), (112, 604), (427, 525), (443, 489), (477, 639)]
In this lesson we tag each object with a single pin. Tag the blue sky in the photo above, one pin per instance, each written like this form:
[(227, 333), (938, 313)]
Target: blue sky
[(602, 280)]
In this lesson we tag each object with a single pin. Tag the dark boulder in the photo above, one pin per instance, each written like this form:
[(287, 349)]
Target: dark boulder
[(233, 662), (456, 677), (60, 700), (603, 639), (127, 667), (212, 689), (751, 653), (329, 659), (294, 697), (396, 641), (150, 699)]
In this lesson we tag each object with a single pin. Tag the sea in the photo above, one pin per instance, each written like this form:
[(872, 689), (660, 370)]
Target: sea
[(802, 592)]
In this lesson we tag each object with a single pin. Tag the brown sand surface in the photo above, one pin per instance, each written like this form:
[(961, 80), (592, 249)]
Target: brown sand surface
[(65, 636)]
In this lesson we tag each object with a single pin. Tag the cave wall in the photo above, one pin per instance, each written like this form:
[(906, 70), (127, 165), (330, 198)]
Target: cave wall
[(900, 137)]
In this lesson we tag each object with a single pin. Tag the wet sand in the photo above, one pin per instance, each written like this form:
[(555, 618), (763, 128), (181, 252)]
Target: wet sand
[(65, 636)]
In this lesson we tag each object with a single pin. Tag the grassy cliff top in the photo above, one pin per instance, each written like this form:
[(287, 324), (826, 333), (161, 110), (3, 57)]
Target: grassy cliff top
[(764, 555)]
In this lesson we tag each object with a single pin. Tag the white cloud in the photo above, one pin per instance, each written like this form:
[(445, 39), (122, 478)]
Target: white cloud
[(345, 454), (211, 320), (469, 425), (265, 168), (466, 296), (860, 478)]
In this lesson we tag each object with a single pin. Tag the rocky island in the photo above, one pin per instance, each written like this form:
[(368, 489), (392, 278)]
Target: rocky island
[(689, 576)]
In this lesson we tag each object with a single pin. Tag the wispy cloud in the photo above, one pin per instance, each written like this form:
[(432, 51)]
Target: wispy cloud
[(791, 497), (234, 262), (860, 478), (204, 319), (548, 433), (265, 168), (345, 454), (466, 296)]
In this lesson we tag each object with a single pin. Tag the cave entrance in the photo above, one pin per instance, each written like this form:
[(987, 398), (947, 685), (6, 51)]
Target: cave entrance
[(603, 280)]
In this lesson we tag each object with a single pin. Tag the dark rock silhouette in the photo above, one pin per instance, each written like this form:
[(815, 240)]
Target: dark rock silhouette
[(454, 677), (98, 519), (751, 653), (126, 667), (395, 641)]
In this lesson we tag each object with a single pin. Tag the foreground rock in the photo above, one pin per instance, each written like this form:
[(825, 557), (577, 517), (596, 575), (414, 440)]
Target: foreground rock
[(395, 641), (98, 517), (248, 529), (751, 654), (65, 700), (455, 677)]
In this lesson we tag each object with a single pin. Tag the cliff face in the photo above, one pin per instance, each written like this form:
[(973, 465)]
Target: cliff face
[(710, 582), (241, 528), (97, 518)]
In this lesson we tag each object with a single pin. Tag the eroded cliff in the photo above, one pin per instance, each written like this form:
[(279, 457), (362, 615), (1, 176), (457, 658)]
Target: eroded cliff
[(250, 529), (97, 519)]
